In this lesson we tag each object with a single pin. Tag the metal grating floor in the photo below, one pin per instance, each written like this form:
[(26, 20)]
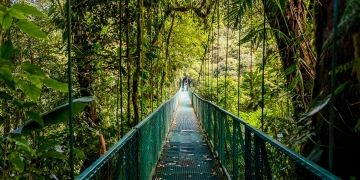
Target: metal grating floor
[(186, 155)]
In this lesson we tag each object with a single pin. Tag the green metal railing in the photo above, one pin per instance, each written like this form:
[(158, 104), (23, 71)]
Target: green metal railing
[(136, 154), (247, 153)]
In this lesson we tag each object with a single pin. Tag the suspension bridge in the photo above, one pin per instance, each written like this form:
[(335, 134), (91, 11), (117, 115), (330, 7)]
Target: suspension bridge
[(188, 137)]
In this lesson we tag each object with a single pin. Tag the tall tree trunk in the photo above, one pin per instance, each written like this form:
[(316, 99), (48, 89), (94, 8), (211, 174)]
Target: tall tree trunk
[(128, 59), (85, 68), (347, 107), (84, 63), (292, 25), (166, 69), (136, 78)]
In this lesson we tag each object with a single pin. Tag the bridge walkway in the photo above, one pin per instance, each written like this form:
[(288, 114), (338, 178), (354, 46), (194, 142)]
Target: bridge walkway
[(186, 154)]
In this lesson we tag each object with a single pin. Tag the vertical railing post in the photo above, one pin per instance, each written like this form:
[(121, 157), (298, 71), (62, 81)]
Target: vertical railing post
[(257, 158), (267, 170), (212, 115), (227, 138), (118, 166), (235, 149), (203, 111), (199, 107), (208, 120), (216, 130), (222, 138), (248, 159), (137, 161), (205, 115)]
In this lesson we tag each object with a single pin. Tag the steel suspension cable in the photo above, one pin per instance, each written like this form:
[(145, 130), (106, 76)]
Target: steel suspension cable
[(202, 73), (69, 74), (251, 56), (239, 68), (263, 68), (117, 104), (218, 51), (163, 64), (212, 51), (141, 84), (210, 46), (208, 76), (227, 53), (333, 83), (208, 65), (151, 67), (206, 56), (120, 73)]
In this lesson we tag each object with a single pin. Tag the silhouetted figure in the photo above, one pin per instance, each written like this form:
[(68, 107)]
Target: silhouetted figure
[(184, 84)]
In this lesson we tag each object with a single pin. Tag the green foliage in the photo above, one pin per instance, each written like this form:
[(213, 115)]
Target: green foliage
[(30, 29), (58, 115), (18, 13), (24, 76), (33, 72), (16, 161), (56, 85), (317, 106), (27, 9)]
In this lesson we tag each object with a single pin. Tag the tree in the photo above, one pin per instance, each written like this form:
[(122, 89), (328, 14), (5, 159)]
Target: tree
[(288, 21), (346, 124)]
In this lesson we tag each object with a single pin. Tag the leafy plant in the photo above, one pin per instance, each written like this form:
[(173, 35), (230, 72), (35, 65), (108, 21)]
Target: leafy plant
[(58, 115)]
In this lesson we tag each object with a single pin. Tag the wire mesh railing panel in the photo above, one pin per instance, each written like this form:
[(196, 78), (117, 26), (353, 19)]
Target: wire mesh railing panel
[(247, 153), (136, 154), (118, 160)]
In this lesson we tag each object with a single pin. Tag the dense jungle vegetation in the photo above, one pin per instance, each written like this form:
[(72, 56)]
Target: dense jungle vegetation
[(129, 56)]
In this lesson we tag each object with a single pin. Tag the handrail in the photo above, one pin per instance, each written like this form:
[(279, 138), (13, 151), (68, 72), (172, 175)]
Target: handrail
[(119, 162), (101, 161), (259, 139)]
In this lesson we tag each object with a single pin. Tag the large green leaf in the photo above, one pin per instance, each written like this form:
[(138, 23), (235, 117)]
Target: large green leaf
[(23, 144), (16, 14), (6, 76), (57, 115), (1, 17), (28, 9), (317, 106), (6, 52), (35, 117), (6, 22), (30, 29), (35, 80), (54, 84), (29, 89), (32, 69)]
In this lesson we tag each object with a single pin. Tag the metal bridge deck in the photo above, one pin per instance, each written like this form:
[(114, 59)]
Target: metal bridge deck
[(186, 154)]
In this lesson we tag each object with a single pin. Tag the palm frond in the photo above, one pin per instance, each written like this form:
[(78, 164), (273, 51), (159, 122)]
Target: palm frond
[(255, 34)]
